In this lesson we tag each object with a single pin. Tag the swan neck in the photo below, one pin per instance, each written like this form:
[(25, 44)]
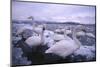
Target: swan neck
[(42, 37), (65, 34), (78, 43)]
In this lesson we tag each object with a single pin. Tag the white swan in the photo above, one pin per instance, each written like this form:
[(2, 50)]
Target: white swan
[(80, 33), (25, 31), (33, 41), (53, 37), (21, 29), (36, 40), (90, 35), (67, 46), (48, 38), (65, 32), (45, 37), (59, 30), (57, 36), (68, 30)]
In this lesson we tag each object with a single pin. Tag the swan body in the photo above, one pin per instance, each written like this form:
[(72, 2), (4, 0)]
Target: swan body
[(36, 40), (33, 41), (90, 35), (57, 30), (81, 33), (62, 48), (68, 32)]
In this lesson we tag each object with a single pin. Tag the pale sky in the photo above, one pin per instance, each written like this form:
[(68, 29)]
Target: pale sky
[(53, 12)]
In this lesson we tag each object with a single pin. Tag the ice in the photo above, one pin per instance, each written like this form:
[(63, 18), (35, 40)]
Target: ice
[(86, 51)]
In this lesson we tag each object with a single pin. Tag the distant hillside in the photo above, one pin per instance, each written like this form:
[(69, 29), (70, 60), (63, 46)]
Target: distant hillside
[(47, 22)]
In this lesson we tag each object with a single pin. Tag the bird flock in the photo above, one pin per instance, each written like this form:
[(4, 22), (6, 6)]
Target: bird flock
[(58, 41)]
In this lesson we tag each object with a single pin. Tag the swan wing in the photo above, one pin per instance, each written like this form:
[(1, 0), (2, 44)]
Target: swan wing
[(62, 48), (33, 41)]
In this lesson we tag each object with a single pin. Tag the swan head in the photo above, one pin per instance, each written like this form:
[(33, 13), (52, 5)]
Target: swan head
[(44, 26)]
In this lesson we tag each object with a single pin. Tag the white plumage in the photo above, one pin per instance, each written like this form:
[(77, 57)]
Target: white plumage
[(38, 29), (45, 37), (90, 35), (48, 38), (36, 40), (62, 48), (58, 37), (81, 33), (58, 31), (21, 29), (33, 41), (68, 32)]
